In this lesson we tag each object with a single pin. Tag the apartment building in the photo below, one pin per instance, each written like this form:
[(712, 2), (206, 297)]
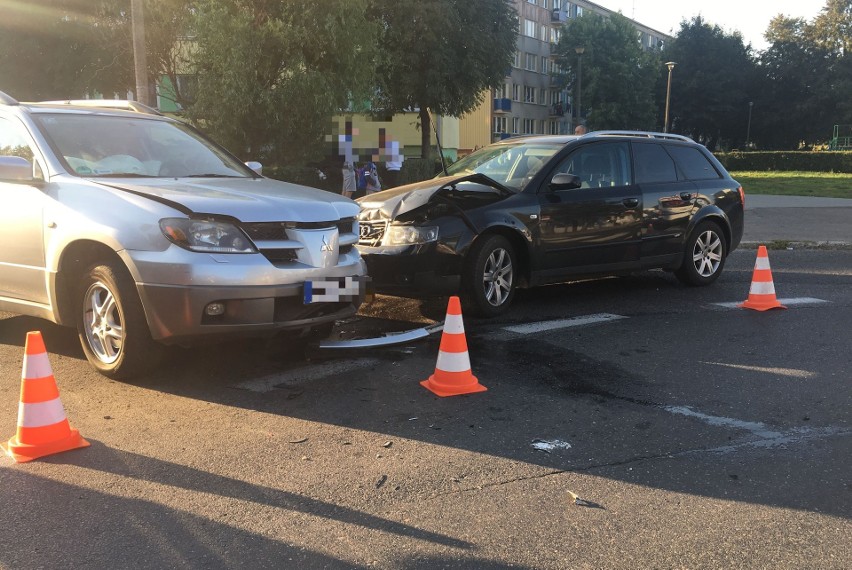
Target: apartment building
[(534, 98)]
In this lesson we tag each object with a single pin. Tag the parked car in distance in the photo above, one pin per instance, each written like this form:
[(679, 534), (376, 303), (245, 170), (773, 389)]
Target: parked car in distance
[(534, 210), (141, 232)]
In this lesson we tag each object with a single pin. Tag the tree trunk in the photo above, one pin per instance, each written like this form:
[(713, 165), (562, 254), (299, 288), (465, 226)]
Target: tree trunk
[(425, 134)]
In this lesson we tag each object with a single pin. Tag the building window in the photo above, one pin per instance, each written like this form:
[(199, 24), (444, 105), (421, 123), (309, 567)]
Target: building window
[(529, 28), (516, 92), (516, 121), (554, 127), (529, 94), (542, 96), (530, 62), (543, 64), (529, 127), (517, 62), (499, 124)]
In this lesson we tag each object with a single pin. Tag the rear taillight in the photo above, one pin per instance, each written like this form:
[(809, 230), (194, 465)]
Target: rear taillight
[(742, 195)]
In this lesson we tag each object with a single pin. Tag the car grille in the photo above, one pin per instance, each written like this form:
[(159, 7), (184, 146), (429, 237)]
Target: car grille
[(294, 309), (272, 232), (371, 233)]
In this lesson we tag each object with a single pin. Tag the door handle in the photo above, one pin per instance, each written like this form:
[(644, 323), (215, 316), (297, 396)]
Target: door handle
[(630, 202), (686, 196)]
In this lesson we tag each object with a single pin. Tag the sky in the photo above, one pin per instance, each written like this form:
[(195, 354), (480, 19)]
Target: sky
[(749, 17)]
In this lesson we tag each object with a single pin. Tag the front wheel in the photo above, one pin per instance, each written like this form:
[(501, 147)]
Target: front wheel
[(489, 276), (704, 255), (111, 324)]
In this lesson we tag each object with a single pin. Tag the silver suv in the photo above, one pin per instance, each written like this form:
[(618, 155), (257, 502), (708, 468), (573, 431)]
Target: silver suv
[(141, 232)]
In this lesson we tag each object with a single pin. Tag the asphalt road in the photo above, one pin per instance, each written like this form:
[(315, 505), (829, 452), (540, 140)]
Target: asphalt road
[(694, 434)]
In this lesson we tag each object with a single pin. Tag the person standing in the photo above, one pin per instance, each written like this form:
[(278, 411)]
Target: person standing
[(372, 179), (348, 177)]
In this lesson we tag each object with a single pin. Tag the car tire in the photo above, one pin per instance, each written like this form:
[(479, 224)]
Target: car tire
[(111, 324), (490, 276), (704, 255)]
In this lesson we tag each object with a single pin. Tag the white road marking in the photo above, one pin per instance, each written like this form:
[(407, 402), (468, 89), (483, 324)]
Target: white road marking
[(532, 328), (757, 428), (304, 375), (793, 301), (791, 372)]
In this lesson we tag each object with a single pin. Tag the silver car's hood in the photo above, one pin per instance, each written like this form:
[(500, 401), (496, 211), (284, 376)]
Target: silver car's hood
[(405, 198), (248, 200)]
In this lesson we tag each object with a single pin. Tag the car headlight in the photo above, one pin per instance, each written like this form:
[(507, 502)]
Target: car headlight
[(206, 236), (410, 235)]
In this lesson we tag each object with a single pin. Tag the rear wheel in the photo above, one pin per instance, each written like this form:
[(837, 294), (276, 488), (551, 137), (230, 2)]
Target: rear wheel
[(111, 324), (704, 255), (489, 277)]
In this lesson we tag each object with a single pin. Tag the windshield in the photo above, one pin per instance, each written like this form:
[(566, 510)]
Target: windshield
[(103, 146), (512, 165)]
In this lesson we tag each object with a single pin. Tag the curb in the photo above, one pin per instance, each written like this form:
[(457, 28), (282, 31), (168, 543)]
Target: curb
[(777, 244)]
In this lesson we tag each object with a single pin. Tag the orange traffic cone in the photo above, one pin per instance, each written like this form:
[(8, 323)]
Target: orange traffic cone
[(43, 428), (453, 375), (761, 296)]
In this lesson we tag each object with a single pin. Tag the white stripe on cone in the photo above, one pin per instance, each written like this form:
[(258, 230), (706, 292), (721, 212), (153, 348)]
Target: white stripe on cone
[(453, 361), (453, 324), (762, 288), (37, 366), (40, 414), (761, 263)]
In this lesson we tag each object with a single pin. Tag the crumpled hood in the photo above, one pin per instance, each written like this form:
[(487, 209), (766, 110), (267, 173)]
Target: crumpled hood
[(248, 200), (405, 198)]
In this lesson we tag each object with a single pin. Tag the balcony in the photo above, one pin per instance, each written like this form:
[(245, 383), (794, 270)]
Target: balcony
[(558, 16), (502, 105)]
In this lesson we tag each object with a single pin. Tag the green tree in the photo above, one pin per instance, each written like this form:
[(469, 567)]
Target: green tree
[(618, 76), (711, 84), (271, 74), (441, 55)]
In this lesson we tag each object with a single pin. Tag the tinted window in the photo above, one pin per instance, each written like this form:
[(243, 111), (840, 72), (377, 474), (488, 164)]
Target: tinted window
[(692, 162), (600, 165), (653, 164)]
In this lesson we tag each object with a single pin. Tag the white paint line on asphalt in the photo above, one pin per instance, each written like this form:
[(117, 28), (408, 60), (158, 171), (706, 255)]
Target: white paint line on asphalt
[(793, 301), (756, 428), (302, 375), (791, 372), (532, 328)]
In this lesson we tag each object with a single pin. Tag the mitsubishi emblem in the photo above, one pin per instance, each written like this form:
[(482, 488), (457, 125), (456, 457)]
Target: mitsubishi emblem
[(326, 246)]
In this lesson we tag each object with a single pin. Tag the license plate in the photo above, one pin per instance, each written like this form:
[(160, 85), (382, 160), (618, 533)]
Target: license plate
[(334, 290)]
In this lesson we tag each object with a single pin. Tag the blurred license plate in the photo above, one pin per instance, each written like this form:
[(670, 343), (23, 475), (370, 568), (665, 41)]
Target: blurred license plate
[(334, 290)]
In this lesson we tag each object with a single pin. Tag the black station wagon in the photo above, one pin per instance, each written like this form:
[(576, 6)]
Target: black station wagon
[(544, 209)]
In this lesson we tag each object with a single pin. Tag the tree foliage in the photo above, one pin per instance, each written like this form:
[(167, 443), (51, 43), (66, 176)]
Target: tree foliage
[(441, 55), (271, 74), (617, 74), (710, 84)]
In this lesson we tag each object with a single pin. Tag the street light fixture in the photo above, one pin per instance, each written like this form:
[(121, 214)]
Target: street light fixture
[(748, 129), (579, 51), (670, 65)]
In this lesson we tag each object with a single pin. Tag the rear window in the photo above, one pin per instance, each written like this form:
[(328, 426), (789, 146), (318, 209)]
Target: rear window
[(653, 164), (693, 163)]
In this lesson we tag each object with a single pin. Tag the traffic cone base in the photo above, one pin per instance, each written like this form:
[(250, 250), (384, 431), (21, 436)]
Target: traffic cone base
[(23, 452), (453, 375), (43, 428), (761, 295)]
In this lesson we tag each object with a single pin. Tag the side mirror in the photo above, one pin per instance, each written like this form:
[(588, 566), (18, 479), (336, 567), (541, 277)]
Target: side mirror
[(564, 181), (256, 166), (16, 169)]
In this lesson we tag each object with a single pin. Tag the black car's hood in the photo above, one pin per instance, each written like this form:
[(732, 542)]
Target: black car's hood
[(391, 203)]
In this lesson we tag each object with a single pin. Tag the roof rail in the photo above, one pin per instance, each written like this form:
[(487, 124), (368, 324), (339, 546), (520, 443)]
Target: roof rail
[(7, 100), (647, 134), (108, 104)]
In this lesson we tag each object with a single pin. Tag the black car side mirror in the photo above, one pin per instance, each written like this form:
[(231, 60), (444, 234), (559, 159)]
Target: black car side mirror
[(563, 181)]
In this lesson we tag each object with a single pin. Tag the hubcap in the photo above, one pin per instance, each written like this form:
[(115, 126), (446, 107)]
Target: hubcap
[(707, 253), (102, 318), (497, 277)]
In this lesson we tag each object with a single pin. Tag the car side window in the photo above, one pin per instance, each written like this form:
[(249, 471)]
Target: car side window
[(13, 142), (693, 163), (653, 164), (601, 165)]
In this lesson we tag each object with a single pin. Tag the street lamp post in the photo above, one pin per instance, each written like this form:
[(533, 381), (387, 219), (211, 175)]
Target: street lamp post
[(748, 129), (579, 51), (670, 65)]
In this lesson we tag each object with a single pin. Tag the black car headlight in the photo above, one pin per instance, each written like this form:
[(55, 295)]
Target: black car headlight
[(206, 236), (410, 235)]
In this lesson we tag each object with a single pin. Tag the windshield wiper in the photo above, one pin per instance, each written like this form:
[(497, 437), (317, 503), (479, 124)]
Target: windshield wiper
[(120, 175), (211, 175)]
